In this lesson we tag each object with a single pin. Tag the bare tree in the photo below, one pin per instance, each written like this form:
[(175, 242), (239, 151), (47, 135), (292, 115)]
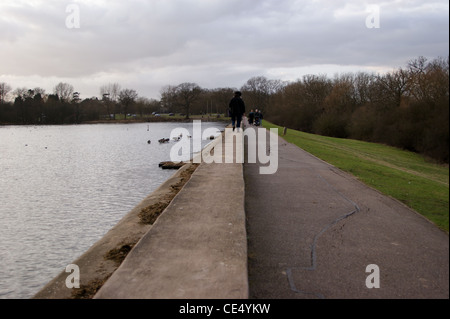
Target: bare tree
[(187, 93), (429, 80), (112, 90), (363, 83), (222, 97), (64, 91), (110, 97), (395, 86), (127, 97), (4, 90), (256, 92), (181, 96), (168, 98), (38, 90), (20, 92)]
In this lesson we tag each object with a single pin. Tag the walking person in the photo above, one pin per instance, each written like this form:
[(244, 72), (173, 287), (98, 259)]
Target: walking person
[(251, 117), (237, 109), (258, 117)]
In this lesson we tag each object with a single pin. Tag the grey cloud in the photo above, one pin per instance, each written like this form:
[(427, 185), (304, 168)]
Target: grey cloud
[(157, 40)]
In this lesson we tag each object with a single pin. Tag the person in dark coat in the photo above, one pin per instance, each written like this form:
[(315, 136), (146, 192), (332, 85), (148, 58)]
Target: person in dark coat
[(258, 117), (251, 117), (237, 109)]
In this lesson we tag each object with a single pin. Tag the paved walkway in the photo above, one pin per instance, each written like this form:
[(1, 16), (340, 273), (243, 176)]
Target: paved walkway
[(313, 229), (309, 231), (197, 248)]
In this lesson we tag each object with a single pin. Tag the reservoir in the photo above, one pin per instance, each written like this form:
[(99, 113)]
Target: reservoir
[(63, 187)]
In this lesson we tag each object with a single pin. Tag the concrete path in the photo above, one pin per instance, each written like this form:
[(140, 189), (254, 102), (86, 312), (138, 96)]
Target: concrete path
[(312, 232), (313, 229), (197, 248)]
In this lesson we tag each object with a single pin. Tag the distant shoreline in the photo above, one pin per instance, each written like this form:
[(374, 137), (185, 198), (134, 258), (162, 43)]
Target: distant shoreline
[(161, 119), (155, 119)]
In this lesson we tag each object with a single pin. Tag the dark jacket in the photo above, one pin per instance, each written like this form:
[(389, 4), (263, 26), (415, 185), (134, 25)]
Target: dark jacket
[(237, 106)]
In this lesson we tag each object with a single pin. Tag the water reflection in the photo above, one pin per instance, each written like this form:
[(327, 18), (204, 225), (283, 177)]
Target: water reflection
[(63, 187)]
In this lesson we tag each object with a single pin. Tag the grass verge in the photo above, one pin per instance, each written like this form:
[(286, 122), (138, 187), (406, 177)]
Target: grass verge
[(405, 176)]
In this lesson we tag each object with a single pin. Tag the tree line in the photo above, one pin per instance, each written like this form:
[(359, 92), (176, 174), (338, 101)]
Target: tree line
[(64, 105), (406, 108)]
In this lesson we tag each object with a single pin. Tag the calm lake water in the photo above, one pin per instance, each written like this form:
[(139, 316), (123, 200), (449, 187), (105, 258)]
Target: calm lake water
[(63, 187)]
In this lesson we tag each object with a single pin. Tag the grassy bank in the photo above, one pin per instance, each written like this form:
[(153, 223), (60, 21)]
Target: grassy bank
[(403, 175)]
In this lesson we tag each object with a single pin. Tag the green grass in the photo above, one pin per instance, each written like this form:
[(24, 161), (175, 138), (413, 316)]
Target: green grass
[(405, 176)]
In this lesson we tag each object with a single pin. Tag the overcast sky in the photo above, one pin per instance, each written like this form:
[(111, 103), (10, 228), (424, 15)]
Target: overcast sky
[(147, 44)]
